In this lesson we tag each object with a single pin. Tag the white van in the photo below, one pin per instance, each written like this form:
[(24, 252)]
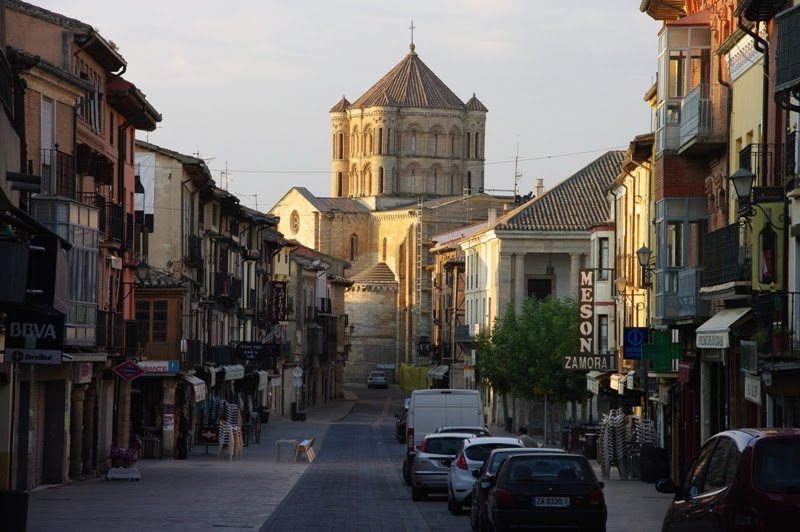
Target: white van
[(430, 409)]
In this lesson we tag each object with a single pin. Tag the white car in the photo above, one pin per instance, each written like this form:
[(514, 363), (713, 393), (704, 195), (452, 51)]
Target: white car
[(470, 458)]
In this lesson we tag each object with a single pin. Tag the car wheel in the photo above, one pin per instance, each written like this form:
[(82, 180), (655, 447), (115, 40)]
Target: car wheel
[(417, 494), (407, 472), (453, 505), (473, 517)]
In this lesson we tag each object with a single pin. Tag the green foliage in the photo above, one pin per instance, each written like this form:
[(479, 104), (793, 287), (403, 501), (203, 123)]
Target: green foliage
[(524, 353)]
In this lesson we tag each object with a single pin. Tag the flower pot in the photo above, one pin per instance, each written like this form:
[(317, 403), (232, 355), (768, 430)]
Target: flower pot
[(780, 343)]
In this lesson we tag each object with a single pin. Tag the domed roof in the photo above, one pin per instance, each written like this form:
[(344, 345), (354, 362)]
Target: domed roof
[(410, 84)]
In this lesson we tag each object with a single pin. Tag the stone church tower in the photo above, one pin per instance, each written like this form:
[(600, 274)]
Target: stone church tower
[(407, 136), (407, 163)]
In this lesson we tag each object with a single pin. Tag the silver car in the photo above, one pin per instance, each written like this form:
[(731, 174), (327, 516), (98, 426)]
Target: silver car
[(470, 458), (432, 461), (377, 379)]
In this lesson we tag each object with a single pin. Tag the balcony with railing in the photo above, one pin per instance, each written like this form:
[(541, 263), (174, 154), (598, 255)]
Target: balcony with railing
[(194, 251), (776, 323), (704, 124), (226, 286), (115, 222), (58, 173), (772, 163), (677, 296), (194, 353), (6, 86), (220, 355), (787, 55), (323, 305), (724, 260)]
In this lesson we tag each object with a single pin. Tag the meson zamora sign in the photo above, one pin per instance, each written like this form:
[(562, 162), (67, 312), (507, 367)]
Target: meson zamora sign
[(586, 358)]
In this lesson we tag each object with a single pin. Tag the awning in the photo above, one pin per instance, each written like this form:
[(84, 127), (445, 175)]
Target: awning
[(437, 372), (233, 372), (263, 380), (713, 334), (198, 386), (593, 380)]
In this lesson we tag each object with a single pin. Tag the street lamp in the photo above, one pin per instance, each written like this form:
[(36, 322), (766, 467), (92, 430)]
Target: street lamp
[(742, 180), (643, 254), (141, 271)]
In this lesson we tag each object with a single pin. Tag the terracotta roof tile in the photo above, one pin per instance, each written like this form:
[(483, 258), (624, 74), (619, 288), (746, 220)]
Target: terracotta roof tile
[(576, 204), (410, 84), (341, 106), (474, 104)]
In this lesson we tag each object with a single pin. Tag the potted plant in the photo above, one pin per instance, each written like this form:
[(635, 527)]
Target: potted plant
[(780, 338), (761, 337), (125, 456)]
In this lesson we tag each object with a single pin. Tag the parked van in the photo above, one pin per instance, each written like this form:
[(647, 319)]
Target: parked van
[(430, 409)]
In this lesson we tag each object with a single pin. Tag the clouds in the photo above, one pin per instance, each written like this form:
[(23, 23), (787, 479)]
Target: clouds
[(250, 82)]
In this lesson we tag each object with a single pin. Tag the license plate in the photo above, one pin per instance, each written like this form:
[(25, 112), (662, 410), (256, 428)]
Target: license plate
[(551, 502)]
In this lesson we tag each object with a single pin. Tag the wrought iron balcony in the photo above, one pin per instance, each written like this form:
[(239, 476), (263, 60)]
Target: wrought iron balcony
[(194, 353), (776, 325), (723, 259), (194, 251), (772, 163), (220, 355), (226, 286)]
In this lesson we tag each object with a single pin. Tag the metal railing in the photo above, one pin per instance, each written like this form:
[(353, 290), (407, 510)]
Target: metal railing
[(723, 259), (225, 285), (777, 324), (6, 86), (704, 113), (772, 163)]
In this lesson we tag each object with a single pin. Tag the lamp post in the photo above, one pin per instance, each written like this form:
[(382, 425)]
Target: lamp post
[(742, 181), (643, 254)]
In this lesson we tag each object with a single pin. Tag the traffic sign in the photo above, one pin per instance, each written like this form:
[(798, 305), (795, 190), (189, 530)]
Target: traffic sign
[(128, 370), (633, 340)]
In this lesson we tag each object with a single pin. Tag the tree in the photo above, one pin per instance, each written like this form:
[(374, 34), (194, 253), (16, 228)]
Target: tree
[(498, 354)]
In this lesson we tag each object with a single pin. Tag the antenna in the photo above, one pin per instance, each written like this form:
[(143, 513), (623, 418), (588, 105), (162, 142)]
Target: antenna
[(517, 175), (224, 177)]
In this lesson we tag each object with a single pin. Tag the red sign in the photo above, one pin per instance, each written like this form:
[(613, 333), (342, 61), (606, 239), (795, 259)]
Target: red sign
[(128, 370)]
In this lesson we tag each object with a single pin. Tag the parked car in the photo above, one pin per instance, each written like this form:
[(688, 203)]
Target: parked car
[(552, 490), (470, 458), (477, 431), (744, 479), (485, 477), (431, 409), (400, 422), (431, 462), (377, 379)]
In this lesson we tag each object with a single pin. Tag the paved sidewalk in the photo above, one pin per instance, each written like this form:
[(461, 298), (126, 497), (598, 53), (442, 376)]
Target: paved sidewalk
[(201, 493)]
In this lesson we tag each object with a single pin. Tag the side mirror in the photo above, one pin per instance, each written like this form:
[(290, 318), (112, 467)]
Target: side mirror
[(486, 485), (476, 473), (666, 486)]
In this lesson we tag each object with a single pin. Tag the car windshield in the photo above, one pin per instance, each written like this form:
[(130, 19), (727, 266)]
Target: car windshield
[(550, 468), (481, 452), (776, 465), (442, 445), (377, 374)]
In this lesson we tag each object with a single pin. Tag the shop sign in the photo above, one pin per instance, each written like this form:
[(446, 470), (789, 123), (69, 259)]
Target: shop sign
[(713, 340), (83, 372), (34, 338), (588, 362), (586, 312), (207, 435), (593, 386), (752, 388), (128, 370), (250, 350), (277, 304), (159, 366)]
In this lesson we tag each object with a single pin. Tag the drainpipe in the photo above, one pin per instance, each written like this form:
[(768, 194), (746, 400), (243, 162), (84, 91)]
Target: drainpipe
[(761, 46), (728, 109)]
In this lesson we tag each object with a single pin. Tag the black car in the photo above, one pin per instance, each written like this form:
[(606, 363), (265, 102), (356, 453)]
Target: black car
[(400, 423), (486, 475), (547, 491)]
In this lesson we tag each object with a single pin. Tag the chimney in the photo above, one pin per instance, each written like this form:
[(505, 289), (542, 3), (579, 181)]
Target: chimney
[(492, 216), (539, 187)]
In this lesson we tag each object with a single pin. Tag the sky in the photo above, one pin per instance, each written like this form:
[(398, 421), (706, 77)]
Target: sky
[(247, 84)]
